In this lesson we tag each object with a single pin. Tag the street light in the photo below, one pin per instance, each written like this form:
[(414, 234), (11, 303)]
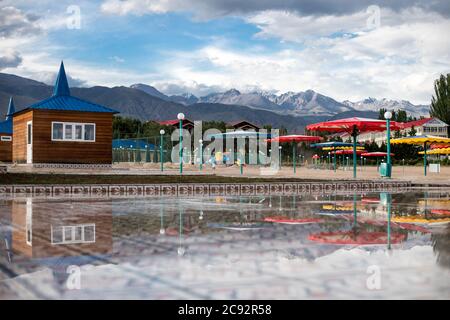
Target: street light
[(201, 153), (162, 133), (180, 117), (388, 116)]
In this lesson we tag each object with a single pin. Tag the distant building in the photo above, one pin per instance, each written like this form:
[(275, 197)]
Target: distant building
[(243, 125), (429, 126), (63, 130), (187, 124), (6, 134)]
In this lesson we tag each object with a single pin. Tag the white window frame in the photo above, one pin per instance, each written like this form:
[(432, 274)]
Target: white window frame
[(74, 124), (6, 138), (72, 229)]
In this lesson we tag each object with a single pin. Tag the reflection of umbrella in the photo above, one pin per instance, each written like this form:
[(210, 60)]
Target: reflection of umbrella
[(421, 220), (436, 151), (422, 140), (287, 220), (375, 154), (341, 152), (236, 226), (294, 138), (441, 212), (359, 238), (353, 126), (315, 156)]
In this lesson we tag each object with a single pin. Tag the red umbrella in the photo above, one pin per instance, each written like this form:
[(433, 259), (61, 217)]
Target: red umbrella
[(353, 126), (350, 124), (375, 154), (294, 138), (315, 156)]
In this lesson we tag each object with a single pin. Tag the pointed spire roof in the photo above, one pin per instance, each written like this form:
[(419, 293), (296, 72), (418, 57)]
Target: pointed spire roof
[(61, 86), (11, 109)]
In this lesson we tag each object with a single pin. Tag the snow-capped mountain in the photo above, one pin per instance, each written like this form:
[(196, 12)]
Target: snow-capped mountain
[(184, 98), (150, 90), (303, 103), (372, 104), (233, 96)]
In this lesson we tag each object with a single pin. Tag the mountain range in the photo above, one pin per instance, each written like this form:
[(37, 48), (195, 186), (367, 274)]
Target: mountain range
[(290, 110), (308, 103)]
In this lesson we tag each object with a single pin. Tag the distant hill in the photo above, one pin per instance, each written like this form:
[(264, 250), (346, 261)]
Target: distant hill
[(138, 104)]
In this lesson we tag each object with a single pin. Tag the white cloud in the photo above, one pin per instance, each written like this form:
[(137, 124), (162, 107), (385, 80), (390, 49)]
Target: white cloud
[(9, 59)]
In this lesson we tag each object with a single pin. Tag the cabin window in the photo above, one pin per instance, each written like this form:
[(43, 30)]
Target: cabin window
[(81, 233), (6, 138), (57, 131), (68, 131), (89, 132)]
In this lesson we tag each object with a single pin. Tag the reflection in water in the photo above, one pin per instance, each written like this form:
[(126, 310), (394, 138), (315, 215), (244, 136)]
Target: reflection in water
[(232, 247)]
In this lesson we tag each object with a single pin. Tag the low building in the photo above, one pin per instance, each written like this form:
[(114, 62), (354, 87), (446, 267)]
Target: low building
[(187, 124), (63, 130), (243, 125), (6, 134)]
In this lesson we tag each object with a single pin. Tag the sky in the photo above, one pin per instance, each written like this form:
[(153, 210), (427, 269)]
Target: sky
[(348, 50)]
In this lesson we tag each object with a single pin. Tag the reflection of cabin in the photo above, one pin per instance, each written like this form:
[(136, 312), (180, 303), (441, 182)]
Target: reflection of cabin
[(243, 125), (70, 228), (63, 129), (187, 124), (6, 130)]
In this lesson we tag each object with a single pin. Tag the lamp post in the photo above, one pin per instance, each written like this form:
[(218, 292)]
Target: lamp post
[(161, 154), (388, 116), (180, 117), (201, 153)]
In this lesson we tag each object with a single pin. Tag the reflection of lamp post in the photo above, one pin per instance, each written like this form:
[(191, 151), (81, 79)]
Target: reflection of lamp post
[(201, 153), (161, 229), (180, 117), (279, 148), (161, 155), (388, 116)]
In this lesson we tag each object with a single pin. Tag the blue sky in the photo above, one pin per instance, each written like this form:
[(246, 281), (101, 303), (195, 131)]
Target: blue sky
[(348, 51)]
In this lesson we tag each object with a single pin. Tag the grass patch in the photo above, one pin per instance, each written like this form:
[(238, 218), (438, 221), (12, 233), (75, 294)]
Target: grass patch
[(35, 178)]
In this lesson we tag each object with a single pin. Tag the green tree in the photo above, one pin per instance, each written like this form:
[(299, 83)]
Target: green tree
[(412, 132), (440, 102)]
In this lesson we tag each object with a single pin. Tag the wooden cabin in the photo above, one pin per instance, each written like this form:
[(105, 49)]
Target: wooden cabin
[(63, 130), (6, 136)]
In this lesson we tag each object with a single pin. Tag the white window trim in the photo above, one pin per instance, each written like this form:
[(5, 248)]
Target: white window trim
[(6, 138), (73, 227), (74, 124)]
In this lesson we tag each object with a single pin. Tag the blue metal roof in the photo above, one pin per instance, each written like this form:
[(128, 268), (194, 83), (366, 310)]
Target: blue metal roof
[(6, 126), (62, 100), (11, 108), (132, 143), (61, 86), (69, 103)]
